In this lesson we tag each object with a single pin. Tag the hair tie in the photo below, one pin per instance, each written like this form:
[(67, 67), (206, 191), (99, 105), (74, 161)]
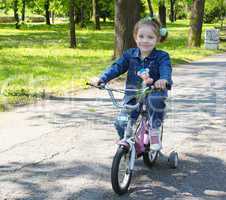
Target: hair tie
[(148, 18), (163, 32)]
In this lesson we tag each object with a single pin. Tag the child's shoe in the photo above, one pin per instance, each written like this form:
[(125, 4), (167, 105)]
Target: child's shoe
[(155, 141)]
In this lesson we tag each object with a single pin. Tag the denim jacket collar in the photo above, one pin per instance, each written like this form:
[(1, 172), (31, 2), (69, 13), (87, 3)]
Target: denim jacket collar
[(136, 53)]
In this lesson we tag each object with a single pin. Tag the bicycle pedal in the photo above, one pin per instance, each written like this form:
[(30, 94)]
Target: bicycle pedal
[(147, 148)]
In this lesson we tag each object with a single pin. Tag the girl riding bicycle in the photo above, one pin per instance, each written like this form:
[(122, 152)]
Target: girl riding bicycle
[(144, 64)]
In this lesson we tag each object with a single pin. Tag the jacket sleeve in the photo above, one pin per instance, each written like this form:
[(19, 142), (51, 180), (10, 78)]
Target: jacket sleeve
[(119, 67), (165, 68)]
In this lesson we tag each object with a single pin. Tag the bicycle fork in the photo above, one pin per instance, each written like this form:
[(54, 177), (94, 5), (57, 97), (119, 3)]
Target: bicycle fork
[(128, 143), (132, 157)]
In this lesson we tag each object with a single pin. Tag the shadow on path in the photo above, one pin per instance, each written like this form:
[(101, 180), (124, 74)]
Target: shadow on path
[(198, 176)]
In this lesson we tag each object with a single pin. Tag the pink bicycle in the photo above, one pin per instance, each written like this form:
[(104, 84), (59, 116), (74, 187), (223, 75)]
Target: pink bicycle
[(136, 141)]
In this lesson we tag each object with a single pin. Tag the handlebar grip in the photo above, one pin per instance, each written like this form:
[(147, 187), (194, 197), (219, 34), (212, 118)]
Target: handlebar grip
[(101, 86), (168, 86), (90, 84)]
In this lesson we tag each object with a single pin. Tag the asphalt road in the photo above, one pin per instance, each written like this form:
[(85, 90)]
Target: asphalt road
[(63, 148)]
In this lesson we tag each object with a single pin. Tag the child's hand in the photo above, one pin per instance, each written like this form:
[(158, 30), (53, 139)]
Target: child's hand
[(100, 82), (161, 84), (145, 76), (148, 80), (96, 81)]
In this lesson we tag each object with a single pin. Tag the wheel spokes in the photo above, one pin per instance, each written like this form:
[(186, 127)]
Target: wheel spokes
[(124, 172)]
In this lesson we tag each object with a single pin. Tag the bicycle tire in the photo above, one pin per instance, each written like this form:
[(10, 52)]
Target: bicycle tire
[(116, 185)]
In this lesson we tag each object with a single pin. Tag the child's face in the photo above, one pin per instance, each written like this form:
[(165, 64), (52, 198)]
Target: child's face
[(146, 39)]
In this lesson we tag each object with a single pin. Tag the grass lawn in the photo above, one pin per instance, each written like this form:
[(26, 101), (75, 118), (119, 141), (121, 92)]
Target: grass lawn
[(36, 58)]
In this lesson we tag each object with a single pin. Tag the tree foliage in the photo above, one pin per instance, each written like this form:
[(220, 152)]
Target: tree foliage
[(214, 11)]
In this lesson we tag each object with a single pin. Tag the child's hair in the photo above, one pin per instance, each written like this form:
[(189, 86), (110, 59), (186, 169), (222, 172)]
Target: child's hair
[(159, 31)]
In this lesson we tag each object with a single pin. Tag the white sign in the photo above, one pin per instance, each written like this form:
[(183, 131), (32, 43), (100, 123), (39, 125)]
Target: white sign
[(212, 39)]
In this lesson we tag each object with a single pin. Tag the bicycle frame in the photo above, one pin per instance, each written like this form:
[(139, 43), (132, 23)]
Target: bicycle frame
[(130, 141)]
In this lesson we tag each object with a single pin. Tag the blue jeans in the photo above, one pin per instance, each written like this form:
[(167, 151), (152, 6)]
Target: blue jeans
[(156, 110)]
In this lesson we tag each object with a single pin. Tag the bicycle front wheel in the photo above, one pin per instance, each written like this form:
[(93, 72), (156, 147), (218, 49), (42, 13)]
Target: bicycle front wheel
[(120, 172)]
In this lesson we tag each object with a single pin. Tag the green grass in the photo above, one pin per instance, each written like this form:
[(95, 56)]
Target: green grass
[(176, 43), (37, 58)]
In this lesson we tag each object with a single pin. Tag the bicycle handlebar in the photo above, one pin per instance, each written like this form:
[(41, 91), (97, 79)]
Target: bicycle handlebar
[(114, 101)]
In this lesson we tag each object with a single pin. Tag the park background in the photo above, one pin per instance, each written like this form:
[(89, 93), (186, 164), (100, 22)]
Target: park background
[(53, 47)]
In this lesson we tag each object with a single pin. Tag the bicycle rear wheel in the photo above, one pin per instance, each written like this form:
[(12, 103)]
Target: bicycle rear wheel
[(120, 172)]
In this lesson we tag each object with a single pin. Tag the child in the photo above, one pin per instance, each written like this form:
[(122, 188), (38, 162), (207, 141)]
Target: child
[(156, 63)]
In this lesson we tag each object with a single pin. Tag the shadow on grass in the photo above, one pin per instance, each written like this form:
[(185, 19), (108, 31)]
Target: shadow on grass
[(177, 25), (177, 61), (47, 36), (96, 40), (62, 26)]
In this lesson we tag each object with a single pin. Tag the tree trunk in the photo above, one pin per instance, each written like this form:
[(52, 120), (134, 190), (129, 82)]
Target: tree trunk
[(82, 13), (47, 12), (72, 23), (96, 15), (6, 8), (150, 8), (162, 12), (222, 23), (23, 10), (53, 17), (175, 12), (124, 24), (172, 10), (222, 13), (16, 15), (196, 21)]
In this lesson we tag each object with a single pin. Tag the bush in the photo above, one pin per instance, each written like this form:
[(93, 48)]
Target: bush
[(29, 19), (214, 12), (36, 19), (7, 19), (180, 10), (211, 15)]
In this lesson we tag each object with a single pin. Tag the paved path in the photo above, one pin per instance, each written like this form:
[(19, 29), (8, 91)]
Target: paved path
[(59, 149)]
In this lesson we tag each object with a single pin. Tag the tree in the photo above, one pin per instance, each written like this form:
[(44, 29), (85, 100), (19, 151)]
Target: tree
[(181, 9), (47, 11), (4, 5), (82, 12), (72, 23), (162, 12), (106, 9), (96, 15), (150, 8), (53, 17), (172, 10), (222, 13), (124, 23), (23, 10), (16, 15), (196, 21)]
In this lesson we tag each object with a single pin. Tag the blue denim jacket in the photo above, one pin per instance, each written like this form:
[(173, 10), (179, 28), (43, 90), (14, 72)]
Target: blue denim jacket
[(158, 63)]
